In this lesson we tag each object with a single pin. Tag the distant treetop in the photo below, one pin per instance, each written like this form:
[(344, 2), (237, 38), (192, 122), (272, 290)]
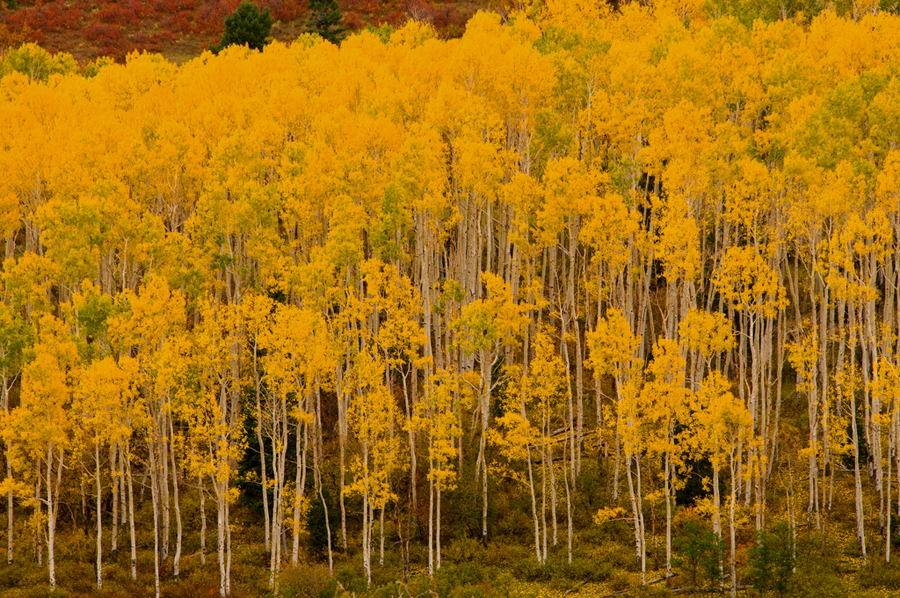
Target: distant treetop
[(247, 25), (325, 18)]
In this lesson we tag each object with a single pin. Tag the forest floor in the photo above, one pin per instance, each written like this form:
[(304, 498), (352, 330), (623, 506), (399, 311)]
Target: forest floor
[(828, 564)]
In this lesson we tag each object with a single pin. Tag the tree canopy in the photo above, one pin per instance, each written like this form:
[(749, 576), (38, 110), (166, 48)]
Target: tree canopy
[(246, 26)]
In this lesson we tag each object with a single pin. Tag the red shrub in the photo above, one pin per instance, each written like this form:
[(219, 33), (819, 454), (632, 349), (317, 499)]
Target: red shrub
[(425, 13), (211, 17), (143, 41), (162, 37), (73, 18), (353, 20), (114, 49), (140, 9), (396, 18), (169, 7), (180, 24), (287, 10), (116, 14), (103, 33), (369, 7)]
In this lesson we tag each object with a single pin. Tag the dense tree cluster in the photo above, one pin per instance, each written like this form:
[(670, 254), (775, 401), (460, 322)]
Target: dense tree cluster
[(608, 245)]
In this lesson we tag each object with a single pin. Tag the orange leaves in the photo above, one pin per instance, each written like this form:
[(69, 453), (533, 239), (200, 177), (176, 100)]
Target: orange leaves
[(747, 280), (490, 322), (44, 414), (708, 333), (725, 420), (436, 414)]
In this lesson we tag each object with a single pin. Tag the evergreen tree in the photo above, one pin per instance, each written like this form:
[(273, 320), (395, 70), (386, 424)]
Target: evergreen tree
[(247, 25), (772, 559), (325, 18)]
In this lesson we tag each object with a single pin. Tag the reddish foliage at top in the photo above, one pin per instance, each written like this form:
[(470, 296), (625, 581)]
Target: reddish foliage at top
[(92, 28)]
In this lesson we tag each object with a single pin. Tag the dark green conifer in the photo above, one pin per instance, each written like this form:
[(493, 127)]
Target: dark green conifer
[(325, 18), (247, 25)]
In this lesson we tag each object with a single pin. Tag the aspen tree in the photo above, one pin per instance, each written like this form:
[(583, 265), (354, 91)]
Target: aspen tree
[(296, 359), (216, 411), (14, 338), (152, 325), (486, 325), (515, 436), (885, 387), (101, 395), (753, 289), (436, 416), (613, 347), (39, 428), (373, 415), (546, 385), (256, 311), (666, 402), (728, 430)]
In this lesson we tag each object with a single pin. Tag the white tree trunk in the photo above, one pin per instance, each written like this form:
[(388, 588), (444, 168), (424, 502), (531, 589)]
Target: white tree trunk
[(99, 518), (131, 517)]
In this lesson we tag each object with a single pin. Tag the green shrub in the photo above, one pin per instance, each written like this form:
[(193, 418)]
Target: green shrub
[(878, 574), (351, 579), (772, 559), (472, 580), (463, 551), (247, 25), (21, 573), (700, 555), (587, 570), (463, 574), (507, 555), (307, 581), (532, 571), (819, 580)]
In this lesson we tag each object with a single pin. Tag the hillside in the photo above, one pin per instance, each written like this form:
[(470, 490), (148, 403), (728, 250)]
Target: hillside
[(181, 29), (606, 301)]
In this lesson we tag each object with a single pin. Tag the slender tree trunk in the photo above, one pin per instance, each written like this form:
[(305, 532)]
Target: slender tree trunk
[(262, 456), (717, 513), (52, 508), (668, 491), (638, 517), (202, 520), (857, 478), (176, 560), (430, 519), (99, 515), (131, 531), (300, 484), (221, 541), (734, 482), (569, 493), (534, 514), (154, 491), (4, 406), (437, 531), (116, 482)]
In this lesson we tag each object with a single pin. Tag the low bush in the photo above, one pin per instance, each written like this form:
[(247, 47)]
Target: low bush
[(818, 580), (585, 570), (307, 581), (463, 551), (878, 574), (350, 579)]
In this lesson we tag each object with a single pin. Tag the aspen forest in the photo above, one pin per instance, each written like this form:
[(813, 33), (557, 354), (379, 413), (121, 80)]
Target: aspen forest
[(590, 300)]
